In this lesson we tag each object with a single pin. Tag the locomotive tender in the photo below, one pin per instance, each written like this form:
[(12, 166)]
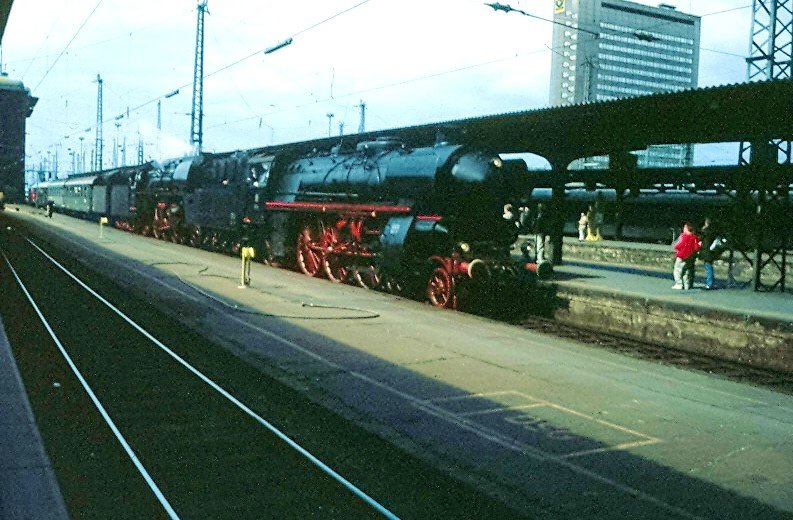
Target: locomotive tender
[(426, 220)]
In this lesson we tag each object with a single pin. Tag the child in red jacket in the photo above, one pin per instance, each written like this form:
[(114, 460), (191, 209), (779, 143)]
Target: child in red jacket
[(686, 249)]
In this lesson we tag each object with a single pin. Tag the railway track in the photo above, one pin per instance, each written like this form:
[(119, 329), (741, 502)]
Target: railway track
[(145, 419)]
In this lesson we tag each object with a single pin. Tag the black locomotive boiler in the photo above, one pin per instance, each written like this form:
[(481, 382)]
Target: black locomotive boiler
[(424, 219)]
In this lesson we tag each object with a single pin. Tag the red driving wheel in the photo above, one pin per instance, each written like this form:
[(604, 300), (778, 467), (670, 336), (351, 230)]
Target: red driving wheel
[(439, 288), (309, 260), (335, 270)]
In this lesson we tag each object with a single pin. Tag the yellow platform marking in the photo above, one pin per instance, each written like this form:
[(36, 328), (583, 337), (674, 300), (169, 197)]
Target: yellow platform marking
[(544, 423)]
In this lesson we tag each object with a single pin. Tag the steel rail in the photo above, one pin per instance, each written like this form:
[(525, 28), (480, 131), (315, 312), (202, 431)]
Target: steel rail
[(111, 424), (269, 426)]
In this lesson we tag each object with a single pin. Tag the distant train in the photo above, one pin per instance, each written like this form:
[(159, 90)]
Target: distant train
[(656, 215), (648, 216), (425, 220)]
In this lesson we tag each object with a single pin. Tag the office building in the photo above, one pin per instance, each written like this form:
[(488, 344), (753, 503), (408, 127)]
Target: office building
[(609, 49)]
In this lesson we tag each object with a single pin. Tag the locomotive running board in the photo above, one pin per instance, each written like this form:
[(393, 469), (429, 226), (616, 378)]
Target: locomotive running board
[(336, 207)]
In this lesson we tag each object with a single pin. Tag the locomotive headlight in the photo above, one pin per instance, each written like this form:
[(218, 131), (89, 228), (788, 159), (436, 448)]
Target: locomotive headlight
[(497, 162), (464, 247)]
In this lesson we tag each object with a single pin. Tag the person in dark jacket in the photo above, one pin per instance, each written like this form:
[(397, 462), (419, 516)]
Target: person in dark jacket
[(524, 228), (710, 250), (541, 225), (707, 235), (524, 219)]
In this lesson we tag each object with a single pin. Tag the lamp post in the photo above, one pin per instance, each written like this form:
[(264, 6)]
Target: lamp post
[(116, 146), (57, 159), (82, 155)]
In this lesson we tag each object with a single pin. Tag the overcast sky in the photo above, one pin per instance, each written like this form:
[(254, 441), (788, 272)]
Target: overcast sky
[(411, 62)]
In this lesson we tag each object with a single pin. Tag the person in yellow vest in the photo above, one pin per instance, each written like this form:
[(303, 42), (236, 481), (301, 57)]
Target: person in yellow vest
[(247, 253)]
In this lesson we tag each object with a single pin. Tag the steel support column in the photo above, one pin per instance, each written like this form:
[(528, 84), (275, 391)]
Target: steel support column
[(770, 57), (557, 216)]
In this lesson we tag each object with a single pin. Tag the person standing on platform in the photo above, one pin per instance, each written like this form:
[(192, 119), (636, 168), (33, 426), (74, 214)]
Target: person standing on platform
[(583, 222), (713, 245), (686, 248), (247, 252), (524, 227), (540, 231), (524, 219), (595, 217), (599, 218), (590, 221), (706, 254)]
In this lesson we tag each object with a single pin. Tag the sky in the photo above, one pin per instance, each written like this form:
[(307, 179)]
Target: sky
[(411, 62)]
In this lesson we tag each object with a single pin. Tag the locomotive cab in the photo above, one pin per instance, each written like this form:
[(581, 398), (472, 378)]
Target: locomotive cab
[(479, 189), (467, 242)]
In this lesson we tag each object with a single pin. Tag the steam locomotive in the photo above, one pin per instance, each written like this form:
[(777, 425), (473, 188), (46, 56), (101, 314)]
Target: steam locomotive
[(426, 221)]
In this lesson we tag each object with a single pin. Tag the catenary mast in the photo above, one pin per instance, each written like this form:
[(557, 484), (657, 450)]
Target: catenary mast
[(99, 145), (770, 58), (197, 116)]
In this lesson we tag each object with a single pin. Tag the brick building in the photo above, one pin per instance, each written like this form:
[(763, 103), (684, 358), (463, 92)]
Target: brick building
[(16, 105)]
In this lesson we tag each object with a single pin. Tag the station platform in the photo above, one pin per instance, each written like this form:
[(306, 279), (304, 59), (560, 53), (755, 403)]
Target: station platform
[(623, 288), (28, 487)]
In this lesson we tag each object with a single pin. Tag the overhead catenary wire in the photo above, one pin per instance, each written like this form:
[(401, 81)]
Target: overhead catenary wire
[(387, 86), (232, 64), (258, 115), (66, 47), (98, 43), (505, 8), (36, 54)]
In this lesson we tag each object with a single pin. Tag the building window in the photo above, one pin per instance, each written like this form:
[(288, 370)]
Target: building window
[(644, 63), (647, 54)]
